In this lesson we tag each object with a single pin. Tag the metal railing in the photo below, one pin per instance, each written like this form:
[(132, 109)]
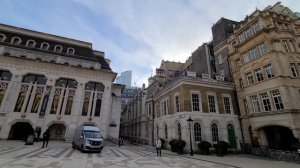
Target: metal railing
[(266, 151)]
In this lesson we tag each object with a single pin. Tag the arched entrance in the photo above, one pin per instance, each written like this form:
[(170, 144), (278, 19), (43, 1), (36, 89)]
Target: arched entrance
[(20, 131), (57, 131), (279, 137), (231, 136)]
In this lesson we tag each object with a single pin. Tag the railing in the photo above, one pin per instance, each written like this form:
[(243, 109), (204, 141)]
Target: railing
[(265, 151)]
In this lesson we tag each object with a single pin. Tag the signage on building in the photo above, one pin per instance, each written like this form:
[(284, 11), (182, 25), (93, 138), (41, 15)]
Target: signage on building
[(190, 73)]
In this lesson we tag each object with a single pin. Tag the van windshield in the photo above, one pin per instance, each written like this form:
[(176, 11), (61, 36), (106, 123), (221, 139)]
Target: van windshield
[(92, 134)]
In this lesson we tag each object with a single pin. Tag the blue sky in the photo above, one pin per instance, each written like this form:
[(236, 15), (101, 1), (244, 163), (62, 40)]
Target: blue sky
[(135, 34)]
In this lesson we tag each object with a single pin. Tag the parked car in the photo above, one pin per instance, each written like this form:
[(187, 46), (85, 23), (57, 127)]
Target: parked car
[(88, 138)]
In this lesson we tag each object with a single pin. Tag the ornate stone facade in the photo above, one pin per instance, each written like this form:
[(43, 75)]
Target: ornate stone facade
[(54, 82)]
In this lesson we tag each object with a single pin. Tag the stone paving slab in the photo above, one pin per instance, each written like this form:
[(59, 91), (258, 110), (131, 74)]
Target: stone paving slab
[(14, 154)]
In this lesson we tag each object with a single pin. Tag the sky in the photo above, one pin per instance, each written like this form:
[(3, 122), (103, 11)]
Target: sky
[(134, 34)]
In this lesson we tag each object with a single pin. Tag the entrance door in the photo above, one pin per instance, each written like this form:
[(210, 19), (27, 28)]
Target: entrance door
[(20, 131), (231, 136)]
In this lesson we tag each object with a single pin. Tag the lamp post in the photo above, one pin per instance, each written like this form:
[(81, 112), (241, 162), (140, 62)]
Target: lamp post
[(189, 121)]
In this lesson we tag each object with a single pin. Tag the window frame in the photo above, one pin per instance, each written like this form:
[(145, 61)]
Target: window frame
[(277, 98), (250, 81), (255, 103), (230, 103), (195, 103), (210, 94), (44, 44), (197, 132), (268, 68), (177, 103), (16, 38), (56, 50), (258, 75), (28, 43), (265, 101)]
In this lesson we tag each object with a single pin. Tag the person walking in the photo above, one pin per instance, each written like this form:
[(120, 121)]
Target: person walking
[(158, 147), (46, 136)]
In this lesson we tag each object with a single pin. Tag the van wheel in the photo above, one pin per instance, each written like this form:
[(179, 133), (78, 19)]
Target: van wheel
[(73, 145), (82, 149)]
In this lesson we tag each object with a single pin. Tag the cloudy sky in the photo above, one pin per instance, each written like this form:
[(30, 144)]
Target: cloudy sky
[(135, 34)]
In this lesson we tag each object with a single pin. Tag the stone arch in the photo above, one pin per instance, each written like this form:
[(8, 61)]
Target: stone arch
[(20, 129), (57, 130)]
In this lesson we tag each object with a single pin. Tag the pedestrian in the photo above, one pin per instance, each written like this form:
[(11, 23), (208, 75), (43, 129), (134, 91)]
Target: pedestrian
[(30, 139), (46, 136), (158, 147), (120, 141)]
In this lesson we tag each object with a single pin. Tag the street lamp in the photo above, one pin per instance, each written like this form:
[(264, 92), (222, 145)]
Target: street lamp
[(189, 121)]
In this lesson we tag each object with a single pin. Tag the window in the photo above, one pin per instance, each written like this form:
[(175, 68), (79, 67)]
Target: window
[(266, 102), (269, 71), (5, 75), (177, 103), (85, 107), (54, 104), (44, 46), (249, 33), (255, 103), (179, 130), (195, 102), (242, 38), (256, 27), (164, 106), (246, 106), (69, 105), (30, 43), (20, 101), (249, 78), (211, 104), (2, 37), (215, 133), (277, 99), (166, 131), (157, 110), (286, 46), (71, 51), (98, 107), (16, 41), (197, 132), (294, 70), (253, 53), (259, 75), (246, 57), (241, 83), (58, 48), (237, 63), (262, 49), (36, 103), (220, 59), (2, 93), (227, 105)]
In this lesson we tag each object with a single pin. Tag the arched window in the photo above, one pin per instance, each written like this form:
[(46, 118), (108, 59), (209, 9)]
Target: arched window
[(166, 131), (64, 82), (33, 78), (70, 51), (16, 40), (179, 130), (2, 37), (197, 132), (45, 46), (20, 102), (214, 132), (94, 86), (54, 104), (69, 105), (58, 48), (36, 103), (5, 75), (30, 43)]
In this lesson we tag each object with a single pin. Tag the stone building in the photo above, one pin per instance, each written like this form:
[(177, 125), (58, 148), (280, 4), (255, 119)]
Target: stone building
[(264, 56), (211, 105), (48, 81), (202, 61), (221, 31)]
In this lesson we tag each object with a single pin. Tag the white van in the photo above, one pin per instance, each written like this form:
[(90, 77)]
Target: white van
[(88, 138)]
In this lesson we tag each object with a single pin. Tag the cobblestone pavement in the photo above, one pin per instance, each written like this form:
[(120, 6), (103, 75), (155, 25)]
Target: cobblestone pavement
[(14, 154)]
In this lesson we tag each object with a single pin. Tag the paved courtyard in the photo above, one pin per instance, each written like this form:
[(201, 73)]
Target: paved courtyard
[(14, 154)]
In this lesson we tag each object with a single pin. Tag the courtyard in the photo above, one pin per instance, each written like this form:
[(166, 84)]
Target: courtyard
[(14, 154)]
